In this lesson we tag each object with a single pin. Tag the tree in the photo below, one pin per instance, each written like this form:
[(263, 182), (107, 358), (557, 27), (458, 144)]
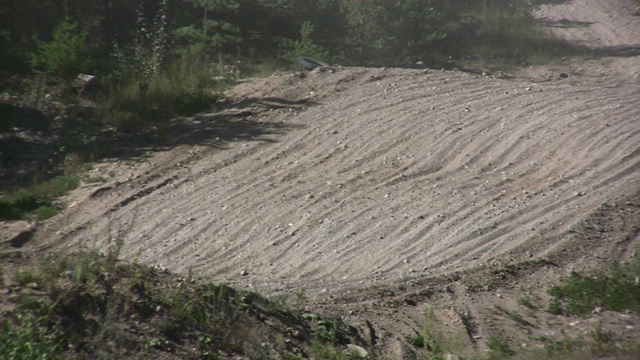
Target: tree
[(305, 46), (202, 40), (62, 56)]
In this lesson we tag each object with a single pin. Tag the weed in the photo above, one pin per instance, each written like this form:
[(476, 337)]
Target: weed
[(25, 276), (416, 340), (498, 346), (301, 300), (508, 35), (431, 340), (327, 351), (526, 302)]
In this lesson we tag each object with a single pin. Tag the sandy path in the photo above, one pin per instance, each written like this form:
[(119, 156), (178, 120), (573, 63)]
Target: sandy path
[(379, 175)]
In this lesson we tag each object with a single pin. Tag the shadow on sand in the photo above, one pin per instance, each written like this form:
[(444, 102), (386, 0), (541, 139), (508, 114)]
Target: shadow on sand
[(231, 122)]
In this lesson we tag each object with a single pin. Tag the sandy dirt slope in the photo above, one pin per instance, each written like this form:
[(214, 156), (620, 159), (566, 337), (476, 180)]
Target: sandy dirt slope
[(394, 172), (340, 181)]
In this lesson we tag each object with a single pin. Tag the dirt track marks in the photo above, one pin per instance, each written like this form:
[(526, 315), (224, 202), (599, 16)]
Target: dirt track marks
[(394, 173)]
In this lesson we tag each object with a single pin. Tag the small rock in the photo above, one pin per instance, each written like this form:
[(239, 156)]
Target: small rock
[(357, 351), (244, 273)]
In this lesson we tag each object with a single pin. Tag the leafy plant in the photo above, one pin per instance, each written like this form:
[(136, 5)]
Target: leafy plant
[(30, 336)]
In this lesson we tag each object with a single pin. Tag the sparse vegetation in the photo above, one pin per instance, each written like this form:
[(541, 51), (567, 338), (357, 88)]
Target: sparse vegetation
[(38, 199), (499, 348), (616, 290), (526, 302), (70, 303), (507, 35), (135, 106)]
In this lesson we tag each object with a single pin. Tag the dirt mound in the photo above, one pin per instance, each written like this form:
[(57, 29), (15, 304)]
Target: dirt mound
[(368, 175), (342, 181)]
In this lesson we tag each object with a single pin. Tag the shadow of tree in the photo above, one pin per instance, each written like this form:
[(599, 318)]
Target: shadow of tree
[(564, 23), (549, 2), (617, 51), (233, 122)]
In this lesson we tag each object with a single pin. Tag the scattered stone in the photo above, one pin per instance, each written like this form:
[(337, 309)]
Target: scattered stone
[(244, 273), (563, 75)]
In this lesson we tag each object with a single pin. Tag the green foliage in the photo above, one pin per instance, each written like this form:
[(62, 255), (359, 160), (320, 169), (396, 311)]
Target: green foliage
[(506, 33), (135, 106), (146, 53), (431, 340), (399, 32), (417, 341), (26, 276), (30, 337), (21, 202), (327, 351), (305, 46), (62, 56), (200, 42), (498, 346), (618, 290), (526, 302)]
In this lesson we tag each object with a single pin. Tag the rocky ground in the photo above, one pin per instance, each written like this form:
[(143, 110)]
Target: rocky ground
[(382, 192)]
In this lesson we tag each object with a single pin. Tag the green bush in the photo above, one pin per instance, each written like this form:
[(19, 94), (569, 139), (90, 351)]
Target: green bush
[(62, 56)]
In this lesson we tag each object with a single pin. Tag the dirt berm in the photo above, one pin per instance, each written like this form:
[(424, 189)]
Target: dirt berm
[(381, 192)]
